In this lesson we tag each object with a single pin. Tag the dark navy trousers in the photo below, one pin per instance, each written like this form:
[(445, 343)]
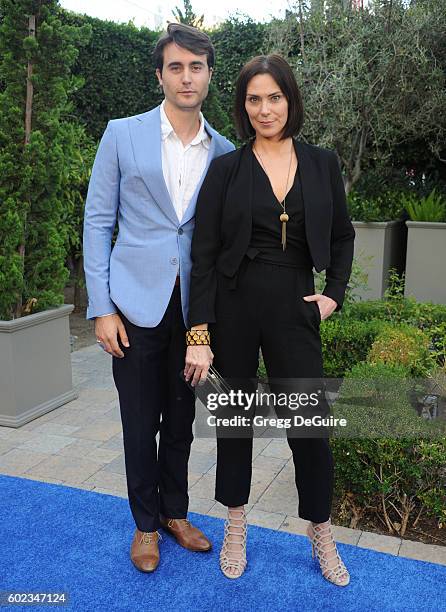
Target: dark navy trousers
[(152, 399)]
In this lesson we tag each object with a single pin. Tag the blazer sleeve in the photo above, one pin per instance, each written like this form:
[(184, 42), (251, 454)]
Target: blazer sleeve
[(206, 244), (99, 222), (342, 239)]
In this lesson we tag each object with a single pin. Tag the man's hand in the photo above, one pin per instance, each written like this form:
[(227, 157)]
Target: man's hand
[(107, 330), (198, 360), (325, 304)]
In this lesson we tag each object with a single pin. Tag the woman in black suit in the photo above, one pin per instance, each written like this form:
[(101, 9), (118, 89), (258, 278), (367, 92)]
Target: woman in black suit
[(267, 214)]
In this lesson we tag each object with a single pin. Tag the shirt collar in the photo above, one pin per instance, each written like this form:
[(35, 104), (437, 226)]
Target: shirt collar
[(167, 129)]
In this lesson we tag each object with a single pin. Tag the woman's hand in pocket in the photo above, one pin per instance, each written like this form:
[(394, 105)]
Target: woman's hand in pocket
[(325, 304)]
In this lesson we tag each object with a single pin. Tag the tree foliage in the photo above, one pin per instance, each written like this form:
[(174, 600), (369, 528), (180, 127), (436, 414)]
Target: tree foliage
[(372, 79), (33, 175), (187, 15), (236, 41)]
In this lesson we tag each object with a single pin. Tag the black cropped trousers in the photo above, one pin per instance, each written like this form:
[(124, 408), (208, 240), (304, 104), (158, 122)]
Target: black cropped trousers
[(265, 310)]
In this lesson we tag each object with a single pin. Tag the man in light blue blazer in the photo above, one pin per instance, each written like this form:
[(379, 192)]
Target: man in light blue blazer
[(146, 177)]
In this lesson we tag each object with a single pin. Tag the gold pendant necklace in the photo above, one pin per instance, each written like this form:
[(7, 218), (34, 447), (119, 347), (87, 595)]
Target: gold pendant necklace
[(284, 218)]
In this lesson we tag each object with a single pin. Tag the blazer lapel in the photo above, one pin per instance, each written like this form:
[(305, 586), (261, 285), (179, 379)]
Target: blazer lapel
[(314, 197), (145, 133), (238, 213)]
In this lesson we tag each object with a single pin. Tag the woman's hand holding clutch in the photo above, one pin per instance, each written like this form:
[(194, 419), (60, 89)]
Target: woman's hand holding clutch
[(198, 360)]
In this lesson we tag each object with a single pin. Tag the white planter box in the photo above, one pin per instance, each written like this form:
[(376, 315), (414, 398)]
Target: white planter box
[(379, 246), (35, 365), (426, 262)]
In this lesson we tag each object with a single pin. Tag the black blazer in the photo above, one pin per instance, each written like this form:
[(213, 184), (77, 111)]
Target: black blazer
[(223, 222)]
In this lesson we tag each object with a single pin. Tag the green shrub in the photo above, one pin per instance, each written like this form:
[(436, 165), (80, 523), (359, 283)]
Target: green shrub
[(423, 315), (429, 208), (395, 308), (437, 335), (375, 398), (403, 345), (382, 207), (34, 158), (346, 342), (393, 478)]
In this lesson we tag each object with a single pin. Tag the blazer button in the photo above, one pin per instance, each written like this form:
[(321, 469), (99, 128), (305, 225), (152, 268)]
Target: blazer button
[(173, 261), (180, 230)]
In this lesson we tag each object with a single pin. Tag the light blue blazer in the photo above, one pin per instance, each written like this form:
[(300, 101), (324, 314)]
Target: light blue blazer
[(127, 185)]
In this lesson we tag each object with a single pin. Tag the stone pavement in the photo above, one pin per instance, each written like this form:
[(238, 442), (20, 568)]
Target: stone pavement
[(80, 445)]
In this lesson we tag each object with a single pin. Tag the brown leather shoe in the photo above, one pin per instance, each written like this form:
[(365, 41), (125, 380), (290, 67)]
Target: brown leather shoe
[(144, 552), (186, 535)]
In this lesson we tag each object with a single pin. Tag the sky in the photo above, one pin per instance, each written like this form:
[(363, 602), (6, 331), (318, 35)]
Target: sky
[(155, 13)]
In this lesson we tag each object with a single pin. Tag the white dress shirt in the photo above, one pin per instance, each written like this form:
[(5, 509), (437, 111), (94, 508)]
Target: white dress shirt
[(183, 166)]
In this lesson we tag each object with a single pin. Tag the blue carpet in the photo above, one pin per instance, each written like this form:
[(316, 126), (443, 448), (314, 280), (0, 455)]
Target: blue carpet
[(56, 538)]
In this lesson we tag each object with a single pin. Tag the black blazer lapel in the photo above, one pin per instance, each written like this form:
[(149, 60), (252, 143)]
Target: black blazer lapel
[(237, 226), (315, 180)]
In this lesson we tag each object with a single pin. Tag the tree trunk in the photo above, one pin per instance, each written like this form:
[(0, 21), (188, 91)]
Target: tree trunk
[(29, 85), (78, 277), (28, 125), (301, 32)]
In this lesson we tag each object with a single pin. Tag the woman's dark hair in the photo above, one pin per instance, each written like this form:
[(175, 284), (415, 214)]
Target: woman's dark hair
[(282, 73), (187, 37)]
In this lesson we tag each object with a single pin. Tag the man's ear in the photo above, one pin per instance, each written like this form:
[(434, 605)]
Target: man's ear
[(211, 71), (159, 76)]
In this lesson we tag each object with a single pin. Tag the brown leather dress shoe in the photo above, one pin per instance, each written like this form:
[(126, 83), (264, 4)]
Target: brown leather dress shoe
[(186, 535), (144, 552)]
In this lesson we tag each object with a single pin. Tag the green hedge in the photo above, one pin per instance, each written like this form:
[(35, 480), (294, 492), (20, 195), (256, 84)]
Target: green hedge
[(394, 478), (119, 76), (117, 69), (403, 345), (406, 310), (346, 342)]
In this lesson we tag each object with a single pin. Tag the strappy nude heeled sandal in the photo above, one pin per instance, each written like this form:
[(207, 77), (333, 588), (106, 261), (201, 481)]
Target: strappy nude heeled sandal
[(234, 560), (338, 574)]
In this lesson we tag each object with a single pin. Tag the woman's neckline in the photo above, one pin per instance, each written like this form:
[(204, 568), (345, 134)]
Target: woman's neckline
[(268, 179)]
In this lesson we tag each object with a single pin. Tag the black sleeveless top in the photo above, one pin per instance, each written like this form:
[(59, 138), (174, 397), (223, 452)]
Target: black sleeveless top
[(266, 236)]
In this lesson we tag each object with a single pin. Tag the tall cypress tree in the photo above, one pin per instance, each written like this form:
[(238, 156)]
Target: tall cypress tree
[(36, 54), (188, 16)]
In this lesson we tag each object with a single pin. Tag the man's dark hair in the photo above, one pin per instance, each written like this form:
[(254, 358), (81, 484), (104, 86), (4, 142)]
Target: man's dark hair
[(282, 73), (187, 37)]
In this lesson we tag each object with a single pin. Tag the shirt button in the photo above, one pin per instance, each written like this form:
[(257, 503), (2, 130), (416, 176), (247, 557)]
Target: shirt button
[(173, 261), (180, 230)]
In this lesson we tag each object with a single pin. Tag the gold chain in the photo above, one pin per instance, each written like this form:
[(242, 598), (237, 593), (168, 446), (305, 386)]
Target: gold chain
[(284, 218)]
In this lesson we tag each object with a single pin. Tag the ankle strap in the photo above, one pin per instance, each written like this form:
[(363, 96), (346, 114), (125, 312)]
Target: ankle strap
[(242, 512)]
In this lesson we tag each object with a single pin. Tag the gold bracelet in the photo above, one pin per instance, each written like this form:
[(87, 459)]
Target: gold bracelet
[(198, 337)]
